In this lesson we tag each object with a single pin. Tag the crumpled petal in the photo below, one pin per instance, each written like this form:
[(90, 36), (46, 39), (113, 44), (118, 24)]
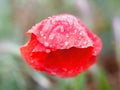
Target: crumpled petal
[(27, 52), (61, 32), (61, 46)]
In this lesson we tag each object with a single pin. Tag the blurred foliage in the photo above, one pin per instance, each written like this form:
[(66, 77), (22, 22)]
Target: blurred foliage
[(17, 16)]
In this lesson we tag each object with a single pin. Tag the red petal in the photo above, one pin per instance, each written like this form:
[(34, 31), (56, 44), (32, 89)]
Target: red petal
[(66, 62), (26, 50), (97, 43)]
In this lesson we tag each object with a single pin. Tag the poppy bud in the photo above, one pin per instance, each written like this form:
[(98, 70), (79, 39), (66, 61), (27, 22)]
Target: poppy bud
[(61, 46)]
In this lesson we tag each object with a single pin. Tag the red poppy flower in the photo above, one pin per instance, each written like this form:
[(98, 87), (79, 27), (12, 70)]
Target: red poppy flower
[(61, 46)]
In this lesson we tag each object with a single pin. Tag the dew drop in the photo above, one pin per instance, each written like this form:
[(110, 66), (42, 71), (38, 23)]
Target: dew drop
[(46, 44), (64, 69), (41, 34), (47, 50), (95, 52), (61, 29), (50, 45), (83, 46), (84, 42), (67, 35), (75, 31), (66, 43), (44, 37), (80, 33), (81, 28), (53, 73), (32, 61), (71, 71), (51, 36)]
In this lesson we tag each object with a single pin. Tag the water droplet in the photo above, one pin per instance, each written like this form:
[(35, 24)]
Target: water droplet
[(32, 61), (51, 36), (47, 50), (67, 35), (53, 73), (95, 52), (61, 29), (84, 42), (71, 71), (81, 28), (83, 46), (75, 31), (44, 37), (64, 69), (46, 44), (41, 34), (50, 45), (66, 43), (81, 68), (80, 33)]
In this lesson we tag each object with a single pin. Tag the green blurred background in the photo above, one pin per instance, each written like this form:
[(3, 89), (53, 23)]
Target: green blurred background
[(17, 16)]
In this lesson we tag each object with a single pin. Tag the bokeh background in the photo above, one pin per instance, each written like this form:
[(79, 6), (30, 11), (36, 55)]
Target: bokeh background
[(17, 16)]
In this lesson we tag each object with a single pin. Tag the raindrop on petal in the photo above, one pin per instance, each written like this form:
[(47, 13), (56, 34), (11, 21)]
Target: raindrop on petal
[(66, 43), (67, 35), (44, 37), (51, 36), (61, 29), (53, 73), (64, 69), (50, 45), (41, 34), (32, 61), (46, 44), (84, 42), (47, 50), (81, 33)]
